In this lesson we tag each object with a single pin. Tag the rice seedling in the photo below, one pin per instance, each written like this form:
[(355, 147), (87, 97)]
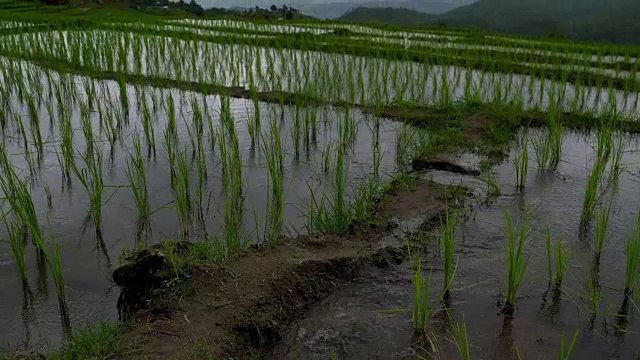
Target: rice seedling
[(273, 151), (232, 180), (600, 228), (632, 251), (332, 213), (591, 192), (541, 147), (182, 192), (566, 354), (548, 247), (18, 196), (16, 242), (461, 339), (92, 179), (561, 258), (522, 162), (594, 179), (405, 138), (375, 148), (138, 180), (448, 224), (615, 163), (170, 143), (555, 135), (201, 165), (493, 186), (594, 290), (295, 132), (66, 146), (56, 272), (422, 309), (87, 130), (516, 261), (147, 126)]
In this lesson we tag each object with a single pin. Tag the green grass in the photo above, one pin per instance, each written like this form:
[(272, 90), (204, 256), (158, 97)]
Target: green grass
[(104, 341)]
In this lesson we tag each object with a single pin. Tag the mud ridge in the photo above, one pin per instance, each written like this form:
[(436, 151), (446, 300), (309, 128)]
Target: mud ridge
[(242, 307), (263, 325)]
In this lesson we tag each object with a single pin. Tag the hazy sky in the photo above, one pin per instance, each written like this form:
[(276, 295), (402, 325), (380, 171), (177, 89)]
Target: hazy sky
[(267, 3)]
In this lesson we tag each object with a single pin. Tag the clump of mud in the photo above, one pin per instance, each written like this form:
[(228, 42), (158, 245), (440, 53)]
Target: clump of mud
[(143, 273)]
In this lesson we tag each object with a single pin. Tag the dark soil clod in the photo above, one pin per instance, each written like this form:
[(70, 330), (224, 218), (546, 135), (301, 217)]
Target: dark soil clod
[(145, 272), (422, 164)]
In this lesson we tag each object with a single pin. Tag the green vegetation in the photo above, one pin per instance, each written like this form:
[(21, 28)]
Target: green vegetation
[(565, 355), (448, 226), (516, 261), (138, 180), (461, 340), (521, 162), (422, 309), (249, 112), (632, 251), (600, 227), (561, 257), (92, 179), (103, 341)]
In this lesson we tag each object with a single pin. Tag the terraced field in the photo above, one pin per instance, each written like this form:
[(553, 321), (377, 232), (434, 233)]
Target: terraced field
[(367, 191)]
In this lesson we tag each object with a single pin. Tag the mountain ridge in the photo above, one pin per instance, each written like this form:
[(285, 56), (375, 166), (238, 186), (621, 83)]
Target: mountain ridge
[(584, 20)]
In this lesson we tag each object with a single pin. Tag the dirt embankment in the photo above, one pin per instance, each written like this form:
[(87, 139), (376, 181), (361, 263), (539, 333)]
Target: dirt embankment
[(242, 307)]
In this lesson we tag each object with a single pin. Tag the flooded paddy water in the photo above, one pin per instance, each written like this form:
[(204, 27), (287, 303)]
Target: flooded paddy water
[(88, 260), (55, 121), (371, 318)]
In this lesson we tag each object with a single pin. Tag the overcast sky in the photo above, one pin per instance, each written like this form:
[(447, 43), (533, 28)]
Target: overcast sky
[(267, 3)]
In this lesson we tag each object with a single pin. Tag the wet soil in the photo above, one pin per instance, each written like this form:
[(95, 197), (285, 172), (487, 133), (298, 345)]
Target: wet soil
[(244, 306)]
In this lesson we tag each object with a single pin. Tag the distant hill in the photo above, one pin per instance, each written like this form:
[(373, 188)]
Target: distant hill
[(388, 15), (334, 10), (611, 21)]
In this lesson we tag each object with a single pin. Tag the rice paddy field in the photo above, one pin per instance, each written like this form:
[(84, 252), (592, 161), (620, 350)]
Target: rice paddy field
[(119, 136)]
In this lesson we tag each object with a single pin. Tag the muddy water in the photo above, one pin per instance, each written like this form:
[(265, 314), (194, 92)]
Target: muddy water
[(362, 320), (87, 261)]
